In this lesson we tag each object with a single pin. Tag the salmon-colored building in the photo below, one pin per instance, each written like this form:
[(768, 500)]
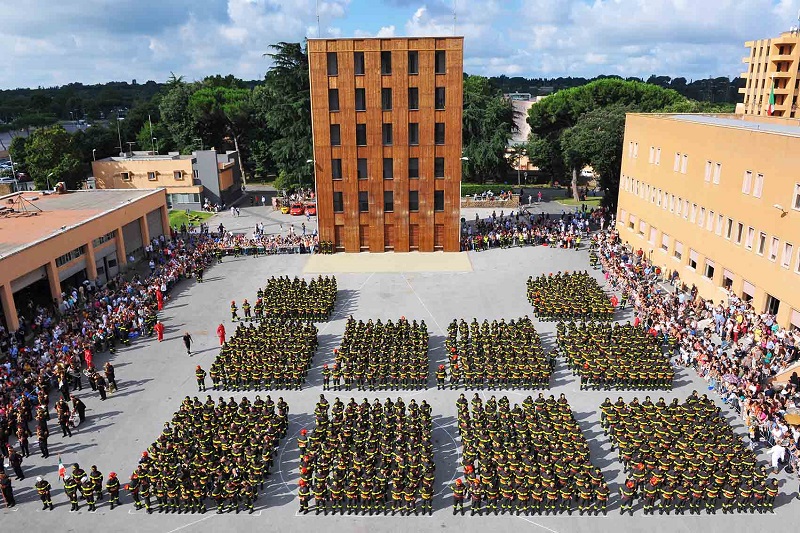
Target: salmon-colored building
[(717, 199), (52, 242)]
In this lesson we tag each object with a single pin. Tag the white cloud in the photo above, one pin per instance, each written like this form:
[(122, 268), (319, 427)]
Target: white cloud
[(46, 42)]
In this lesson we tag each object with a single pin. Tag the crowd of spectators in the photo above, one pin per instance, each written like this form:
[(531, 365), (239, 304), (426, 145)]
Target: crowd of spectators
[(530, 229), (55, 341), (731, 345)]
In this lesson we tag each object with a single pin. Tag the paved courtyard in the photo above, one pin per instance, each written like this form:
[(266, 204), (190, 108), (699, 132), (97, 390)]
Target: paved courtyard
[(154, 377)]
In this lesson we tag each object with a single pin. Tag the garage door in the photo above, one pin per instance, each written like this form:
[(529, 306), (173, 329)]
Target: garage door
[(28, 279), (132, 233), (154, 223), (64, 273)]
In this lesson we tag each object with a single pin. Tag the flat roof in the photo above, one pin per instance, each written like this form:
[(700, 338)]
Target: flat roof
[(145, 158), (750, 123), (27, 226)]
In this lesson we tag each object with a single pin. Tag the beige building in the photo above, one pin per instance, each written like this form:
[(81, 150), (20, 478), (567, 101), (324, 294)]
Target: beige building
[(717, 199), (190, 180), (50, 243), (772, 61)]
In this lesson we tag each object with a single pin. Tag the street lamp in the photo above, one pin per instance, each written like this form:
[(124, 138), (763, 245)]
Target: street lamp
[(48, 180), (94, 151), (155, 141)]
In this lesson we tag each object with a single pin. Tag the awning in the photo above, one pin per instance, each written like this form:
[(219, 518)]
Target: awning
[(748, 288), (693, 255), (678, 247)]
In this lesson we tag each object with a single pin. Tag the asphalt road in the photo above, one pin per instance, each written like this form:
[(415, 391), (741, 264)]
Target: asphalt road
[(153, 378)]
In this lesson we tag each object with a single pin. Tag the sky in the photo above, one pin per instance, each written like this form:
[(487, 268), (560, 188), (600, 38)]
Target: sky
[(55, 42)]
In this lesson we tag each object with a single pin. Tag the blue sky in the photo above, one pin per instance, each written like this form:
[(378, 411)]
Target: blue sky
[(54, 42)]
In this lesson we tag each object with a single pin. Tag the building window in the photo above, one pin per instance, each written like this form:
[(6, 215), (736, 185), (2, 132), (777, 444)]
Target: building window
[(773, 249), (739, 232), (363, 202), (103, 238), (336, 135), (710, 221), (413, 62), (630, 149), (361, 166), (758, 186), (762, 243), (361, 134), (440, 63), (786, 260), (438, 200), (653, 234), (708, 171), (796, 202), (333, 99), (665, 242), (718, 227), (178, 175), (693, 259), (709, 269), (196, 174), (386, 99), (333, 64), (438, 133), (439, 98), (151, 176), (751, 234), (69, 256), (388, 201), (729, 228), (684, 164), (652, 157), (338, 202), (702, 219), (635, 150), (717, 173), (126, 176), (438, 167), (678, 253), (658, 156), (642, 227), (358, 60), (413, 133), (747, 182), (772, 305), (693, 216), (413, 98), (413, 201), (388, 168), (386, 133), (361, 99), (685, 209), (413, 167), (336, 169), (386, 62), (677, 165)]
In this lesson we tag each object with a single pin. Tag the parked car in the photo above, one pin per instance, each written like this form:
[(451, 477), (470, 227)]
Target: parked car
[(297, 209), (285, 209), (311, 210)]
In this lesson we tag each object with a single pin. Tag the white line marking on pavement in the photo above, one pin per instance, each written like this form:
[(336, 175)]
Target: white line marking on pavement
[(196, 522), (534, 523), (331, 320), (455, 444), (424, 306)]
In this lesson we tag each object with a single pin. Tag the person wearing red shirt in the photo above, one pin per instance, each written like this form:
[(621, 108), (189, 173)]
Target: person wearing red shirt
[(159, 329), (221, 334)]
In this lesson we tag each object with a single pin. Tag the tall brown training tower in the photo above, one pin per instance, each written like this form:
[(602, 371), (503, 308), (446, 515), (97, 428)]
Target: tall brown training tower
[(386, 116)]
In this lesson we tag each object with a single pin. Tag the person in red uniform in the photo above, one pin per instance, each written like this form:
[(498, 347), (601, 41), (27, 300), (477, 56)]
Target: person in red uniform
[(160, 299), (221, 334), (159, 328)]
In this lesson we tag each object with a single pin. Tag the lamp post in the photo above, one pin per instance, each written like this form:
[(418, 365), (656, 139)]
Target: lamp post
[(94, 151), (48, 180), (155, 141)]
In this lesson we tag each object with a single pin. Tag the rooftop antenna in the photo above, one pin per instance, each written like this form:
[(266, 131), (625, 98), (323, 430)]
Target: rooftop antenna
[(318, 30)]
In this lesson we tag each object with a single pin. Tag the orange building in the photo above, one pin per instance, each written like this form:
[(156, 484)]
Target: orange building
[(386, 116), (772, 67), (717, 199), (51, 242)]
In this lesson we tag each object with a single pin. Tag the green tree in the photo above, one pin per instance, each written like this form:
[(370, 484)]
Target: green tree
[(596, 140), (488, 121), (224, 113), (51, 155), (282, 108), (18, 151), (174, 111)]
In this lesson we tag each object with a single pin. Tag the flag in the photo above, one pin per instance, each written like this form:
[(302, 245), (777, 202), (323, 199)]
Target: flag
[(771, 106), (61, 470)]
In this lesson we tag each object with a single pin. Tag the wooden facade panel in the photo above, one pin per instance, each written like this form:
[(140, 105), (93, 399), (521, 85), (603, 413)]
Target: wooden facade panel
[(407, 229)]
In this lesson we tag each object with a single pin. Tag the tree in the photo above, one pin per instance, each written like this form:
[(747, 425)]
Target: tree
[(223, 113), (562, 111), (51, 155), (488, 121), (18, 152), (174, 111), (282, 107), (596, 140)]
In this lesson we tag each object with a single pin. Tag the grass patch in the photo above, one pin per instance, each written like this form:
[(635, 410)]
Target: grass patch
[(178, 217), (591, 201)]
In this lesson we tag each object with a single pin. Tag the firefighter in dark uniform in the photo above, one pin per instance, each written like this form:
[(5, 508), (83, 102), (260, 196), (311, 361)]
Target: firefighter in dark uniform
[(96, 480), (71, 490), (87, 491), (200, 375), (459, 491), (234, 310), (112, 488), (43, 490)]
